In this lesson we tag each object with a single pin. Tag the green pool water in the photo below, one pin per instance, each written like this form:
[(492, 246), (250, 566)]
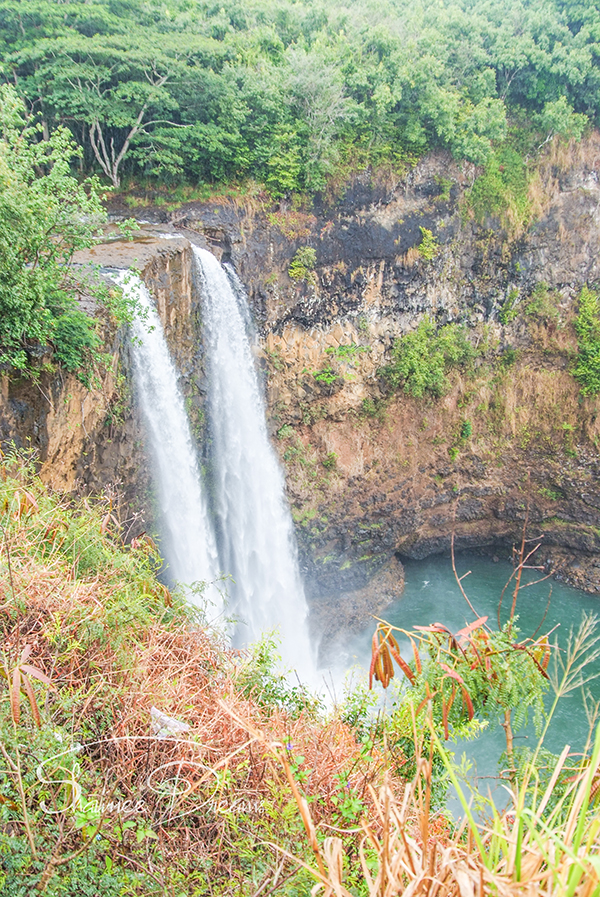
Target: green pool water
[(431, 595)]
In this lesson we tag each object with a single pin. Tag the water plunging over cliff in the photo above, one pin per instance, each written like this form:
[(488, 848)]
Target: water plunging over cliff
[(188, 541), (254, 527)]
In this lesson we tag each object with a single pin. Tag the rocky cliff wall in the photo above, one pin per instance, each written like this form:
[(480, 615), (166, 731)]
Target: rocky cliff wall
[(375, 477)]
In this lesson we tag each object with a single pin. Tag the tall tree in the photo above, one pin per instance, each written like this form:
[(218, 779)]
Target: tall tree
[(117, 87)]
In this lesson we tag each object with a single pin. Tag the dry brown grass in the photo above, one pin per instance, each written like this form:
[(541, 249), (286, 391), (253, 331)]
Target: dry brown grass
[(557, 159), (512, 854), (565, 156), (211, 792), (183, 671), (410, 258)]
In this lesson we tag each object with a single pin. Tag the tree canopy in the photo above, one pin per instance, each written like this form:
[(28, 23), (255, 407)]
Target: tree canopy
[(281, 91)]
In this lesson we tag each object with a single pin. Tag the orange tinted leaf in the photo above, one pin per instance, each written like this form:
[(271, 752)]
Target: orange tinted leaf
[(468, 702), (388, 666), (452, 697), (166, 595), (28, 689), (418, 665), (32, 504), (478, 661), (27, 503), (10, 803), (539, 666), (445, 719), (392, 641), (144, 542), (477, 624), (421, 705), (15, 695), (374, 653), (30, 670), (378, 667), (452, 673), (402, 664)]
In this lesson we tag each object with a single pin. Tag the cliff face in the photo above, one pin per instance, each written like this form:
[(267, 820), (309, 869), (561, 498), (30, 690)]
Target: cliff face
[(375, 476)]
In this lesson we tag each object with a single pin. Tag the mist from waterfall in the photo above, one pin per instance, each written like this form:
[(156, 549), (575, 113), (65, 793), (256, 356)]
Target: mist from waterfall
[(188, 541), (254, 529)]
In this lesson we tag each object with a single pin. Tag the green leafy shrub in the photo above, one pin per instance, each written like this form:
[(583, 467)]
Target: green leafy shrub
[(428, 247), (587, 327), (326, 375), (445, 185), (330, 461), (502, 189), (302, 265), (45, 216), (509, 357), (346, 352), (509, 310), (75, 339), (262, 680), (374, 408), (422, 359), (543, 305)]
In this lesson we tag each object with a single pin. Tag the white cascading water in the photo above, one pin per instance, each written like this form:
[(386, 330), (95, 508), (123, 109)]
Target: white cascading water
[(188, 541), (254, 526)]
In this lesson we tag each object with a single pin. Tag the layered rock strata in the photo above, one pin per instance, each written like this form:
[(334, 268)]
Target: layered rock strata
[(375, 477)]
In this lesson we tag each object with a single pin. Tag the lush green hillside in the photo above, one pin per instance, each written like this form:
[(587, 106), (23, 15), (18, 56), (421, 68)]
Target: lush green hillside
[(288, 92)]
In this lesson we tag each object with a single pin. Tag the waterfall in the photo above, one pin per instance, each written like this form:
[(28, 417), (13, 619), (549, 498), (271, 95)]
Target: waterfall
[(188, 541), (254, 527)]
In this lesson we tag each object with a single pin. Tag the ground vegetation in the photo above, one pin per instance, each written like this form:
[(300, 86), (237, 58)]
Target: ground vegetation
[(141, 756)]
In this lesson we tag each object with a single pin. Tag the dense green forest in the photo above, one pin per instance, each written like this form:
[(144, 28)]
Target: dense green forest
[(287, 93)]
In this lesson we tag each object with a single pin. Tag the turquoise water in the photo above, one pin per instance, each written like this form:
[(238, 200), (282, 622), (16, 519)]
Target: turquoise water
[(432, 595)]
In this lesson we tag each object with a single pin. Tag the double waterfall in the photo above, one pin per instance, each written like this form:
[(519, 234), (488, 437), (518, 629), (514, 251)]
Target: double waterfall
[(245, 531)]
